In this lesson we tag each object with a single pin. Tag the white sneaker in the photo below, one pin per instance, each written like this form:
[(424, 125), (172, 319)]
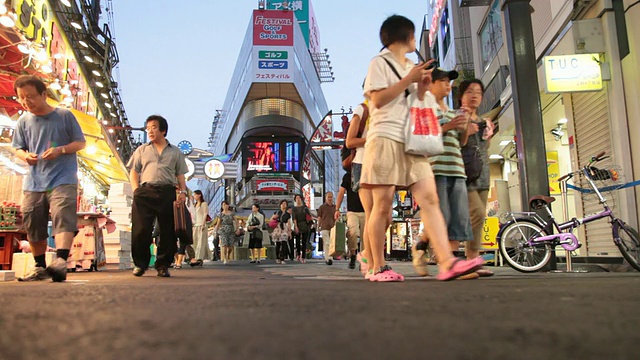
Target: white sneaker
[(419, 260)]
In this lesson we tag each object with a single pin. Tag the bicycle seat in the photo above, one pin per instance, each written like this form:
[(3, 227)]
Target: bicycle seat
[(540, 201)]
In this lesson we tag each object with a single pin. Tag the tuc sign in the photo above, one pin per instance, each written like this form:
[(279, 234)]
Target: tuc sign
[(572, 73)]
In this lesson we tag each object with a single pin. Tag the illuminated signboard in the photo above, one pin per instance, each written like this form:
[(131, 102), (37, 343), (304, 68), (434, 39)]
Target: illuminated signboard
[(214, 169), (273, 28), (37, 22), (272, 185), (271, 156), (263, 156), (435, 20), (572, 73)]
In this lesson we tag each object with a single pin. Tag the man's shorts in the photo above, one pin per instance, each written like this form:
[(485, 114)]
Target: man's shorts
[(61, 201), (454, 204)]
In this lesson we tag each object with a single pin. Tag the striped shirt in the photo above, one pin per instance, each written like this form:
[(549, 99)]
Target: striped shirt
[(450, 162)]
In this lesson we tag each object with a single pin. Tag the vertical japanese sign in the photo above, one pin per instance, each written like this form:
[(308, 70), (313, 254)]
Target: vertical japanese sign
[(305, 17), (273, 64), (273, 54)]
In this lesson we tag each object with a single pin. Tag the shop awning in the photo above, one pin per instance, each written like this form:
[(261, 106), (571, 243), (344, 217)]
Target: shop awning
[(98, 156)]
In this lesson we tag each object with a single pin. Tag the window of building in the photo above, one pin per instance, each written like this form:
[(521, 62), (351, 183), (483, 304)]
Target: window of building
[(445, 31), (491, 34), (436, 50)]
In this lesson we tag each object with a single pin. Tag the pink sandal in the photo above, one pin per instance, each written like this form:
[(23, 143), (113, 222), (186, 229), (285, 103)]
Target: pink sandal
[(386, 275), (460, 267)]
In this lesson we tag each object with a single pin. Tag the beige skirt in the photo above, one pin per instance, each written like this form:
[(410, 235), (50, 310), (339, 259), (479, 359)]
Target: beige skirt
[(386, 163)]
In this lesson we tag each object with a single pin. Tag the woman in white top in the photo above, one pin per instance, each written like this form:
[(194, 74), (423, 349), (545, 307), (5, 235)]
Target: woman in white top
[(200, 239), (391, 75)]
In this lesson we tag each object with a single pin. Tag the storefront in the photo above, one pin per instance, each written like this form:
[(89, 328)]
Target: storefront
[(35, 42), (583, 113)]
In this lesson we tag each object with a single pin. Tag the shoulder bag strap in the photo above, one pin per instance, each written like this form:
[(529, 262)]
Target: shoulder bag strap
[(406, 91)]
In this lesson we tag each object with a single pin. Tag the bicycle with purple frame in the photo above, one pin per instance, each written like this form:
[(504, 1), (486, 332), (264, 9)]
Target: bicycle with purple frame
[(526, 240)]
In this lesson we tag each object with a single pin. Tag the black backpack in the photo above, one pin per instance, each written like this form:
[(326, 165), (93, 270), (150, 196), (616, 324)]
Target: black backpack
[(473, 163)]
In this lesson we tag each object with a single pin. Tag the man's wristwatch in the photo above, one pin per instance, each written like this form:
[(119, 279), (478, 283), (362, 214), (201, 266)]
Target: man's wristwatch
[(64, 151)]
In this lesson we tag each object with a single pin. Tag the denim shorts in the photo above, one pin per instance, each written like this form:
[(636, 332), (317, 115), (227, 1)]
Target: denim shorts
[(454, 204)]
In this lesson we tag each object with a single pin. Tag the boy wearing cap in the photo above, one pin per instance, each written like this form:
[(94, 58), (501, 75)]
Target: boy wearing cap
[(448, 167)]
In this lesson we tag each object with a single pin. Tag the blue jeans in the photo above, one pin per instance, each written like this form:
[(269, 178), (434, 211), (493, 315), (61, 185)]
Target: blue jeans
[(454, 204)]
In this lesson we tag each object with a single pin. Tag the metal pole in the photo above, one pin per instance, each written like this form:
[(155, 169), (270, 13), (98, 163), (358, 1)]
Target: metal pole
[(530, 146), (565, 218), (530, 143)]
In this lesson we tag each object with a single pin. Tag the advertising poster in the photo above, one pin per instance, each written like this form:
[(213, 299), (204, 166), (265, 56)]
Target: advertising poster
[(553, 170), (268, 156), (263, 156)]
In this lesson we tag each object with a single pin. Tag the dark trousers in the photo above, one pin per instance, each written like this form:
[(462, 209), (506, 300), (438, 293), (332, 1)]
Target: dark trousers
[(150, 202), (282, 249), (290, 248), (187, 249), (301, 243)]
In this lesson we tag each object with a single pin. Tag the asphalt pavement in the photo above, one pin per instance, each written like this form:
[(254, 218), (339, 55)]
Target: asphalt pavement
[(315, 311)]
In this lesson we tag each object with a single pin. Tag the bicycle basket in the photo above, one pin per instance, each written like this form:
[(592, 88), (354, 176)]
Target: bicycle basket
[(606, 179)]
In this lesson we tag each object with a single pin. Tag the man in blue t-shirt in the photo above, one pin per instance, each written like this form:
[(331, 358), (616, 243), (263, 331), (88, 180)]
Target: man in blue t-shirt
[(47, 139)]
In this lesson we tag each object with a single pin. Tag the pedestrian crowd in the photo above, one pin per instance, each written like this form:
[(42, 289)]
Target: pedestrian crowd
[(450, 185)]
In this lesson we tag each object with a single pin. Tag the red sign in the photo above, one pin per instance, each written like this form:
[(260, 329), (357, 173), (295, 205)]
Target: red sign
[(435, 20), (272, 185), (273, 27)]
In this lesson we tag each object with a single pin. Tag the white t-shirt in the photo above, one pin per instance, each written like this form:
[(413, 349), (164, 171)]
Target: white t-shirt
[(388, 121), (360, 151)]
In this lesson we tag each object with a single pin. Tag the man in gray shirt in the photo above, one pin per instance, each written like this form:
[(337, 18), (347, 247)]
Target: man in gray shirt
[(47, 139), (157, 172)]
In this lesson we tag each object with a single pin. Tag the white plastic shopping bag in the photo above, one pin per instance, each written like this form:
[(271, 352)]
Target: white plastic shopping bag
[(423, 134)]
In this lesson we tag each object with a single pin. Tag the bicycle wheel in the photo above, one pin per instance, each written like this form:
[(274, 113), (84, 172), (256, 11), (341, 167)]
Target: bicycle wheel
[(517, 252), (629, 244)]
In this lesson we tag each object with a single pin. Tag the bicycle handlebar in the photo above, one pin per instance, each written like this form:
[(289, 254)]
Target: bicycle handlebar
[(598, 157), (569, 175), (594, 159)]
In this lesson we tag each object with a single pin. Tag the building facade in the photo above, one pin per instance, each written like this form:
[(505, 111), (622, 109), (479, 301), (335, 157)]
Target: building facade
[(274, 104), (580, 119)]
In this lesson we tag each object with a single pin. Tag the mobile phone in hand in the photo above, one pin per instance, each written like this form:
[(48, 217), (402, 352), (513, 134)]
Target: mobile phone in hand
[(431, 66)]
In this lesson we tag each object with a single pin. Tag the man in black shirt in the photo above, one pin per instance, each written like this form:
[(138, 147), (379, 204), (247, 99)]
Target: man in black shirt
[(355, 217)]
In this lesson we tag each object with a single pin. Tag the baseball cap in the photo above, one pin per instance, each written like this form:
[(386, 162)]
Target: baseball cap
[(439, 74)]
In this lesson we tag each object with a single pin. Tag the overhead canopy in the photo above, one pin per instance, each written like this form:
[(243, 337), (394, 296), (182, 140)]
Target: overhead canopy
[(98, 156)]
